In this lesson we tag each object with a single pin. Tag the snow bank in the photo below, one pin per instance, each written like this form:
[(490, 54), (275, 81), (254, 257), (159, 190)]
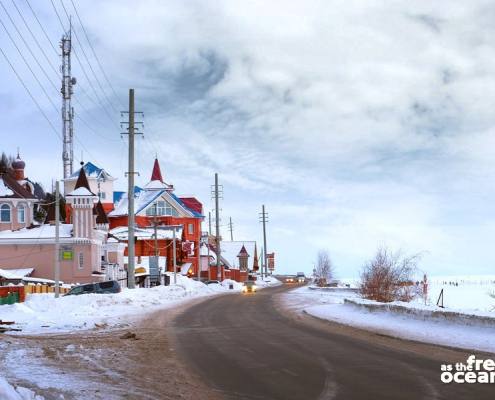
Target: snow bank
[(43, 313), (9, 392), (344, 308), (267, 282)]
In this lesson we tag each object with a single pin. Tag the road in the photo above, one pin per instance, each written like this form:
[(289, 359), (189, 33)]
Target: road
[(244, 347)]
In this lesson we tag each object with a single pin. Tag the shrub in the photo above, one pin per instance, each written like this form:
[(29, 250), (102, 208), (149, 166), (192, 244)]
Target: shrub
[(389, 277)]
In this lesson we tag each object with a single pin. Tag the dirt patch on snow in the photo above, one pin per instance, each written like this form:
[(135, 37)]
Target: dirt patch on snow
[(137, 361)]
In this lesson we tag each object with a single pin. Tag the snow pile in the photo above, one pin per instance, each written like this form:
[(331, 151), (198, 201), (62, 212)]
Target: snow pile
[(43, 313), (267, 282), (237, 285), (8, 392), (331, 305)]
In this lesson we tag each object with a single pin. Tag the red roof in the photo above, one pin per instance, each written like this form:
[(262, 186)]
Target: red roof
[(156, 175), (193, 204)]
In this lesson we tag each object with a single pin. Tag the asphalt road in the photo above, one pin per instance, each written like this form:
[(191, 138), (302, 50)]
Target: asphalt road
[(243, 347)]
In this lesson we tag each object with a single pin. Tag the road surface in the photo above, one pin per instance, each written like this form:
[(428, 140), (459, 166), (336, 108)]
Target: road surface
[(244, 347)]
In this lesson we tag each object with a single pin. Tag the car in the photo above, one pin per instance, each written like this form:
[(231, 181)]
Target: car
[(212, 282), (97, 287), (249, 287), (290, 279)]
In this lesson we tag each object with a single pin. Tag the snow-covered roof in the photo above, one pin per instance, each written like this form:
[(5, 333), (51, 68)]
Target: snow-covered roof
[(230, 250), (40, 232), (14, 274), (155, 185), (4, 190), (92, 171), (146, 197), (162, 232), (82, 191)]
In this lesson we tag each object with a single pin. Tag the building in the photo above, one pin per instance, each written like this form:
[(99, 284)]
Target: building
[(85, 256), (17, 199), (100, 183), (157, 205)]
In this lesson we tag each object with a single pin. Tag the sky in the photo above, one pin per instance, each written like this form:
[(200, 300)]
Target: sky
[(358, 124)]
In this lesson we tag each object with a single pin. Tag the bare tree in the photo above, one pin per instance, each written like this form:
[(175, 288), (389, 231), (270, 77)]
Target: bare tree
[(389, 277), (324, 268)]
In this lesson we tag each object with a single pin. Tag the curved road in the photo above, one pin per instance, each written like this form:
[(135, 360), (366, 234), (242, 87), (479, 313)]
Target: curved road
[(243, 347)]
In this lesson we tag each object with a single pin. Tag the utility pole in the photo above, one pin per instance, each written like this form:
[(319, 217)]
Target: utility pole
[(57, 239), (231, 229), (264, 220), (175, 260), (67, 111), (130, 190), (217, 225)]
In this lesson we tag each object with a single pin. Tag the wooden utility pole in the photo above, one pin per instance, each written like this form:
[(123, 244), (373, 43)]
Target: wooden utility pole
[(57, 239), (231, 229), (131, 131), (264, 220), (217, 224)]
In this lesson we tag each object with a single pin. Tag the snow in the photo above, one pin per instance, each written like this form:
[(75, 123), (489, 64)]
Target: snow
[(267, 282), (41, 232), (43, 313), (426, 323), (15, 273), (163, 232), (4, 190), (9, 392), (81, 191)]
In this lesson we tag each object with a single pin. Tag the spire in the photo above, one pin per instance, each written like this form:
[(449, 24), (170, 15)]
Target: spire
[(243, 252), (156, 175), (82, 181)]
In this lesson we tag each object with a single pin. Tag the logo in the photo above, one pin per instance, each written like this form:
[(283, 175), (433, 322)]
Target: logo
[(473, 371)]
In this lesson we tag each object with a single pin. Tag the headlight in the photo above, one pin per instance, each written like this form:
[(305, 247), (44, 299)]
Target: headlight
[(254, 288)]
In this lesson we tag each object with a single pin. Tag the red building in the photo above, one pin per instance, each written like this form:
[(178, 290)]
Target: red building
[(156, 204)]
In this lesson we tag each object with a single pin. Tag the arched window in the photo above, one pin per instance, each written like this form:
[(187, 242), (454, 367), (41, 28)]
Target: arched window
[(5, 213), (21, 214), (161, 208)]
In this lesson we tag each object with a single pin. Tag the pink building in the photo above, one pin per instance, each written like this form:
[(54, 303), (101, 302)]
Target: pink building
[(85, 256)]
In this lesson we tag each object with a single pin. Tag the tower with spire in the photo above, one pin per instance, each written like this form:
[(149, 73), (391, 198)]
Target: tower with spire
[(82, 201)]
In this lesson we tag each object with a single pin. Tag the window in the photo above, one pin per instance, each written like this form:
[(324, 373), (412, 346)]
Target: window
[(81, 261), (190, 229), (161, 208), (21, 214), (4, 213), (102, 195)]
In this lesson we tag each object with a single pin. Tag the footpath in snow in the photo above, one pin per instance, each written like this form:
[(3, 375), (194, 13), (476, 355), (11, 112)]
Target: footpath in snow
[(472, 329)]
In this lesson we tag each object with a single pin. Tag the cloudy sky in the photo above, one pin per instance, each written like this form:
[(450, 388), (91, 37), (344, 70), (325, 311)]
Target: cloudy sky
[(357, 123)]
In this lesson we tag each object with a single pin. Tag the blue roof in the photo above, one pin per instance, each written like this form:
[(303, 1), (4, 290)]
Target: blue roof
[(90, 169), (117, 195)]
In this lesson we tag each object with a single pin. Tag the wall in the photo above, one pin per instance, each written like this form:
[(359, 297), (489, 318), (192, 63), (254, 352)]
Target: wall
[(14, 224), (41, 257)]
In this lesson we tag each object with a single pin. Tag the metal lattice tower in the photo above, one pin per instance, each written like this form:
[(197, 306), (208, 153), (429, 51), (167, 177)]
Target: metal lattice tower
[(67, 111)]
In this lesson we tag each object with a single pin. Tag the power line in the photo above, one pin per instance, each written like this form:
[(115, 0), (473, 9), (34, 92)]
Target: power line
[(94, 54), (43, 29), (82, 65), (87, 60), (30, 94), (34, 38), (27, 64), (27, 46)]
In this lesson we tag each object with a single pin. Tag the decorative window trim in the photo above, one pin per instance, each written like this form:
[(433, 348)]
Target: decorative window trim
[(21, 207), (80, 260), (3, 207)]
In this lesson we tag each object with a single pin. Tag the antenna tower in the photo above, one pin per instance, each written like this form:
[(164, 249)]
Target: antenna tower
[(67, 110)]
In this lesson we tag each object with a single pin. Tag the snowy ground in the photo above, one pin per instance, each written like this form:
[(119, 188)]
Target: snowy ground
[(43, 314), (329, 304), (9, 392)]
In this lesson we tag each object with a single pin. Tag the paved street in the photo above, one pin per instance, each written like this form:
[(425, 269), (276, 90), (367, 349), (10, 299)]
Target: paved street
[(243, 347)]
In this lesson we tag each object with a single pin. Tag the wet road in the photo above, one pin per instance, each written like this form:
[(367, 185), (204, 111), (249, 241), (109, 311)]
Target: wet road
[(243, 347)]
